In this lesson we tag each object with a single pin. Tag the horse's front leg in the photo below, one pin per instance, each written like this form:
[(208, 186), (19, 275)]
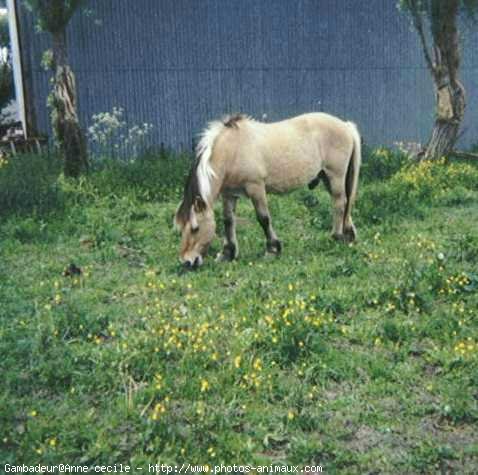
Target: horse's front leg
[(230, 250), (257, 194)]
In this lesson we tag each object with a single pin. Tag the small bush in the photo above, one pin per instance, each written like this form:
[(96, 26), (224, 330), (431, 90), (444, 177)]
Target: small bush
[(429, 179), (110, 137), (381, 163), (34, 183), (416, 185), (153, 176)]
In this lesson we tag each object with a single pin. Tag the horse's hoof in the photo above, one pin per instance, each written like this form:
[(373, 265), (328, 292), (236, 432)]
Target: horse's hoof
[(350, 234), (274, 248), (350, 238), (229, 253), (222, 257), (339, 237), (226, 256)]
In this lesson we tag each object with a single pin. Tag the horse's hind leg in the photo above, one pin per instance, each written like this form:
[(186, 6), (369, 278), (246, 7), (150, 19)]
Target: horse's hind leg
[(339, 198), (257, 193), (230, 250), (349, 228), (350, 232)]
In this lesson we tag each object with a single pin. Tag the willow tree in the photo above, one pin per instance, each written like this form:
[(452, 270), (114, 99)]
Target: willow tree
[(437, 24), (53, 17)]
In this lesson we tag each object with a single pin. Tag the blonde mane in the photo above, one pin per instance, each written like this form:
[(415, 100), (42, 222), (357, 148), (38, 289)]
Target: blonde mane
[(204, 171), (201, 174)]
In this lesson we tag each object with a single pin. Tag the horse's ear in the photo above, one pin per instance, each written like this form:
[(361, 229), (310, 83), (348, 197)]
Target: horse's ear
[(199, 204)]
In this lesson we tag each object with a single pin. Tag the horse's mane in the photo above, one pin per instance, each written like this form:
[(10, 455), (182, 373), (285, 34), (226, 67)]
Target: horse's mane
[(191, 190), (198, 182), (231, 121)]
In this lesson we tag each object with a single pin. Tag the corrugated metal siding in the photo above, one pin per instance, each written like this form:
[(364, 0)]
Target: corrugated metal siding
[(179, 63)]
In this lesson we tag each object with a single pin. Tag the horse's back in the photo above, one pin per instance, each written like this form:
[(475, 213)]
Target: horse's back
[(286, 154), (302, 147), (322, 126)]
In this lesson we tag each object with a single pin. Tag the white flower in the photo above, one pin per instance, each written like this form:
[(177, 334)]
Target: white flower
[(109, 132)]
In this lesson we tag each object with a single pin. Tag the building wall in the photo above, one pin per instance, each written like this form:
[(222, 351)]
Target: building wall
[(179, 63)]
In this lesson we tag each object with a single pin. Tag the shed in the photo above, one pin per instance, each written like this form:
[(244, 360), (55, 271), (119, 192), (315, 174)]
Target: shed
[(179, 63)]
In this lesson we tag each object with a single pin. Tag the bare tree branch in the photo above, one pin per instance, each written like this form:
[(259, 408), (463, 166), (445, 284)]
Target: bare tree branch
[(418, 23), (461, 154)]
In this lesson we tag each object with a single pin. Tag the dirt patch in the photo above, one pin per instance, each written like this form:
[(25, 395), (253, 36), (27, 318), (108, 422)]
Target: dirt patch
[(366, 438), (454, 436)]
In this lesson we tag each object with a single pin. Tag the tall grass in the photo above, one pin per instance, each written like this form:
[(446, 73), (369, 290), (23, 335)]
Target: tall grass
[(33, 183), (29, 183), (391, 184)]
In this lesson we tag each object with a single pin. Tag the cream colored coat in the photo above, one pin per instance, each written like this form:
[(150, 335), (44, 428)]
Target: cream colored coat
[(242, 156)]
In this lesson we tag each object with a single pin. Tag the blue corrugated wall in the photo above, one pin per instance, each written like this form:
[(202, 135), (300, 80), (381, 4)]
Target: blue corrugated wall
[(179, 63)]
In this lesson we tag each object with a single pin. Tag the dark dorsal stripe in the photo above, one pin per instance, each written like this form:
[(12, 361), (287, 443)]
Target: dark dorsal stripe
[(232, 120)]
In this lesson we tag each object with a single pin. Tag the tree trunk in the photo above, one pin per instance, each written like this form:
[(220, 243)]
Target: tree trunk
[(65, 123), (450, 112), (450, 93)]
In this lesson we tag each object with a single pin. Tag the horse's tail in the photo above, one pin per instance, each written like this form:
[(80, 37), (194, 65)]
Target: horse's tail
[(353, 170)]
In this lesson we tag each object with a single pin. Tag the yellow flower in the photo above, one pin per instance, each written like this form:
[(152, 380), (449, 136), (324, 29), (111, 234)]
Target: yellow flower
[(290, 415), (159, 409), (158, 381), (237, 361), (211, 452), (33, 413), (204, 385)]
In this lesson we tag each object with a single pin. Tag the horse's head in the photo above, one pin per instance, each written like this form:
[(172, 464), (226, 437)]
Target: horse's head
[(198, 228)]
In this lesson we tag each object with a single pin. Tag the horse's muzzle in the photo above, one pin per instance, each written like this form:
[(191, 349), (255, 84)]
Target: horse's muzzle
[(193, 265)]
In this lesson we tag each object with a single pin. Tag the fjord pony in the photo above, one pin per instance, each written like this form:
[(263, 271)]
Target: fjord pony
[(240, 155)]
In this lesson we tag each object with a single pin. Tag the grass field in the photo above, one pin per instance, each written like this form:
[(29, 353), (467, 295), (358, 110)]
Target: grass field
[(361, 358)]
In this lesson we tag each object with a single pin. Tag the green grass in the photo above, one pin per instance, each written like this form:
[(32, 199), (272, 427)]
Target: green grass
[(360, 358)]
